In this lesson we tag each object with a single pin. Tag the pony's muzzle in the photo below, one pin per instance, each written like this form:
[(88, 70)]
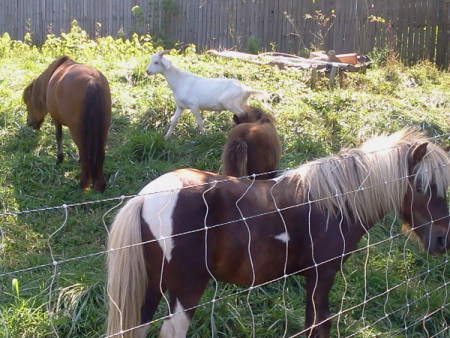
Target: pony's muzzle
[(437, 243)]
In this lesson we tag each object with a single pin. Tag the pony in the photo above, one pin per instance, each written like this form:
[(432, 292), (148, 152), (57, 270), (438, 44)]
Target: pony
[(76, 96), (189, 226), (253, 145)]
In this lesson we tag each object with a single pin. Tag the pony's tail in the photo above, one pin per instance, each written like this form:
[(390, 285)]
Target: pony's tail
[(127, 276), (234, 158), (94, 135)]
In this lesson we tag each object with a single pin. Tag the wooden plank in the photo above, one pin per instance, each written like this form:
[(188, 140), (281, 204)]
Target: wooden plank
[(265, 25), (246, 21), (415, 27), (286, 44), (421, 25), (205, 26), (274, 19), (255, 10), (429, 30), (408, 51), (442, 52), (403, 27), (193, 21), (213, 23), (339, 26), (223, 25)]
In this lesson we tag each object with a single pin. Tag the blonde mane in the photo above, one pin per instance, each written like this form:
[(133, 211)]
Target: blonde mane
[(368, 182)]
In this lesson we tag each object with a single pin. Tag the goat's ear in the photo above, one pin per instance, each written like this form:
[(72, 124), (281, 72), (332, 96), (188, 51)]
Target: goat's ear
[(418, 153), (163, 52), (166, 63)]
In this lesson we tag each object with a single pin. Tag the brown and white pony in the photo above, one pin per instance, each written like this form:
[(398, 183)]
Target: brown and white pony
[(253, 146), (76, 96), (189, 226)]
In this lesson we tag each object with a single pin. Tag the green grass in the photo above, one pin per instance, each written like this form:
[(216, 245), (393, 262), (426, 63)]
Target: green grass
[(38, 299)]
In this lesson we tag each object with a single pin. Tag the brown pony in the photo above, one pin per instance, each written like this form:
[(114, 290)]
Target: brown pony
[(253, 146), (76, 96), (189, 226)]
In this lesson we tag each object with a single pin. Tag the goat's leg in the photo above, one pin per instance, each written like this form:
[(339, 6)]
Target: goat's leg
[(173, 121), (198, 119)]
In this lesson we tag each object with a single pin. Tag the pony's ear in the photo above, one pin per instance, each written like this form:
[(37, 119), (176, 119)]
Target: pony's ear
[(446, 149), (236, 119), (419, 152)]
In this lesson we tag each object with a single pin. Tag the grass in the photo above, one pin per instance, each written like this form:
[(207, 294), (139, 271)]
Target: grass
[(38, 298)]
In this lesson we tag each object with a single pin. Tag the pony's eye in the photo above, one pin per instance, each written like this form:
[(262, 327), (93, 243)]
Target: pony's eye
[(419, 189), (156, 62)]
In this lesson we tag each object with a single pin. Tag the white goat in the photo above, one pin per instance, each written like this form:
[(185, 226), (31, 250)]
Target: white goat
[(198, 93)]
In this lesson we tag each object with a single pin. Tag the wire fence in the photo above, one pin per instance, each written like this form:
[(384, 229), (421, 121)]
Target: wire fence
[(435, 298)]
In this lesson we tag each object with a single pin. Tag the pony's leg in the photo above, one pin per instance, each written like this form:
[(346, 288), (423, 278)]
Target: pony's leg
[(98, 178), (59, 136), (173, 121), (85, 177), (99, 183), (198, 119), (152, 297), (183, 301), (318, 285)]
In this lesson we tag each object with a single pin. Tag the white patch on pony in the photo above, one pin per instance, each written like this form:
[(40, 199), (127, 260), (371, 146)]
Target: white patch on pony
[(284, 237), (177, 325), (161, 197)]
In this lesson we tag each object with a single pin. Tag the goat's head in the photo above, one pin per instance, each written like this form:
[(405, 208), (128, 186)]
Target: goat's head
[(158, 64)]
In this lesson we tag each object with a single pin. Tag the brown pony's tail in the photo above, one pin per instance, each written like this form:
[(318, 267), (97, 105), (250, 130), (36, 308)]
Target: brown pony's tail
[(95, 126), (234, 158), (127, 276)]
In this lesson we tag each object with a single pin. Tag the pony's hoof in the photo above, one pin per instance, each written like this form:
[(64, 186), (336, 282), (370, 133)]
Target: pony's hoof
[(100, 187)]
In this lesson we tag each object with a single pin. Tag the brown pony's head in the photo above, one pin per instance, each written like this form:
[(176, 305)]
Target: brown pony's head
[(252, 115), (35, 108), (425, 208), (35, 93)]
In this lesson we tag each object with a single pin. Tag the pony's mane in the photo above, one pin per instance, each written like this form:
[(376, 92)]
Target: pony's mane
[(370, 181), (36, 90)]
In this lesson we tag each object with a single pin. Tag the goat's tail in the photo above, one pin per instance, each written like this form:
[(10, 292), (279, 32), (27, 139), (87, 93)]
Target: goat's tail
[(127, 276), (234, 158), (260, 94)]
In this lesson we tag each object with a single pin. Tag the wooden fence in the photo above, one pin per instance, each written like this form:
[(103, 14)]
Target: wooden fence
[(413, 29)]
